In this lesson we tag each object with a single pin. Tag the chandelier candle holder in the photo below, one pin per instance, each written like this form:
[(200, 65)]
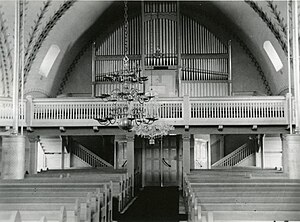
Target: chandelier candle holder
[(153, 131), (127, 104)]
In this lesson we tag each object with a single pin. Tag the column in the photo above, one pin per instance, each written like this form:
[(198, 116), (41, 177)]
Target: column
[(291, 155), (296, 65), (33, 155), (130, 158), (285, 158), (62, 157), (186, 155), (13, 157)]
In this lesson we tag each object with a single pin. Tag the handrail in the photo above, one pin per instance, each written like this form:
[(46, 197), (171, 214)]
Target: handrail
[(80, 111), (88, 156), (234, 157)]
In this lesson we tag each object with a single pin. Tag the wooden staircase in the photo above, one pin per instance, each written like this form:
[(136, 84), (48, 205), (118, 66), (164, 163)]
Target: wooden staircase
[(235, 157)]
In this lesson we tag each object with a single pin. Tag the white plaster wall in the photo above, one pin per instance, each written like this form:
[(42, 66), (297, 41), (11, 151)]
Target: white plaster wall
[(248, 161), (272, 148)]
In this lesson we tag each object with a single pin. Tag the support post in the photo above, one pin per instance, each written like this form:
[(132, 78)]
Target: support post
[(296, 64), (130, 158), (186, 154), (229, 69), (93, 69), (16, 70), (33, 155), (263, 152), (285, 155), (62, 156)]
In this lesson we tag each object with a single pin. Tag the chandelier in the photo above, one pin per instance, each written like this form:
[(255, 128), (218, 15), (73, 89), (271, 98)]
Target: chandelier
[(128, 105), (153, 131)]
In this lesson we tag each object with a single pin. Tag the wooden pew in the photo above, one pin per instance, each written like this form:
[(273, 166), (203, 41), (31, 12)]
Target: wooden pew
[(97, 205), (13, 216), (122, 182), (229, 198), (34, 216)]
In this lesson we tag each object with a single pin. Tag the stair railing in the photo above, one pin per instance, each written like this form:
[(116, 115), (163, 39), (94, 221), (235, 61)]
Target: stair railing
[(234, 157), (88, 156)]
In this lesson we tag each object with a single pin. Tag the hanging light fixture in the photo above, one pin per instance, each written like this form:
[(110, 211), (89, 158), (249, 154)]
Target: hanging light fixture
[(127, 105), (153, 131)]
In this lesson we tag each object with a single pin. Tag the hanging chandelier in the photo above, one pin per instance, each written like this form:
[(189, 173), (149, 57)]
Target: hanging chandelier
[(128, 105), (153, 131)]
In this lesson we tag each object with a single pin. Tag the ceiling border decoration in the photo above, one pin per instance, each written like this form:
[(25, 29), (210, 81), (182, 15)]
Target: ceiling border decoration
[(36, 90), (44, 33), (268, 21), (279, 19), (6, 57), (35, 27)]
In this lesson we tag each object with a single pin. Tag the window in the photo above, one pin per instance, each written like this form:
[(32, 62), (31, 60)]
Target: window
[(273, 56), (49, 60)]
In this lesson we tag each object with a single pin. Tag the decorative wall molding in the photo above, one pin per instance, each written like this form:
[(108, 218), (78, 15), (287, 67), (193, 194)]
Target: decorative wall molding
[(35, 27), (279, 19), (36, 90), (44, 33), (5, 56), (268, 21)]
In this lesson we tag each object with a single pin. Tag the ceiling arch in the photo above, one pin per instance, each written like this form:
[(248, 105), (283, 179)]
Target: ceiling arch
[(84, 21)]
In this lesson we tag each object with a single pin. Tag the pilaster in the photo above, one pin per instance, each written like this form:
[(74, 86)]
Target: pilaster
[(31, 167), (130, 157), (13, 157), (291, 155), (186, 153)]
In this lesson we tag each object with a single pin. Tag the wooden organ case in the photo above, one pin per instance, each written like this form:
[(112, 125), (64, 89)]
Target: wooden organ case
[(192, 60)]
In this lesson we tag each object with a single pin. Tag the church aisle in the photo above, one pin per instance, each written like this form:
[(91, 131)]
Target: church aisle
[(154, 204)]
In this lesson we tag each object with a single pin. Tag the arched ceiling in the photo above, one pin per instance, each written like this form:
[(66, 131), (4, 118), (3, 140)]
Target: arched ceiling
[(74, 25)]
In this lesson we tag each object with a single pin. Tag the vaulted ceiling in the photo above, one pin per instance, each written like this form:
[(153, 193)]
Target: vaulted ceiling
[(74, 25)]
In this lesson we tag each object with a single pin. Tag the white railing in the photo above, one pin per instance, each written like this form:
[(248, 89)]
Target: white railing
[(234, 157), (88, 156), (257, 110), (75, 111), (6, 111)]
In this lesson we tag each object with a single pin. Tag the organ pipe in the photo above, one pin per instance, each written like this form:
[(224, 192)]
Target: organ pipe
[(176, 35)]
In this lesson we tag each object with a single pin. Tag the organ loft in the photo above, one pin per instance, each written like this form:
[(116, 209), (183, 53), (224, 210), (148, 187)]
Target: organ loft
[(149, 111)]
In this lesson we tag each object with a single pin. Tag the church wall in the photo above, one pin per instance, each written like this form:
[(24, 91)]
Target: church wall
[(272, 146), (0, 155), (245, 77), (249, 161)]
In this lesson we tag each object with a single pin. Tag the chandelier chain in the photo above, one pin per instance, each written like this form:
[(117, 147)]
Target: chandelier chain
[(126, 28)]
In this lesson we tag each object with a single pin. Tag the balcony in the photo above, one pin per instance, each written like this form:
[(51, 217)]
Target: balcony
[(181, 111)]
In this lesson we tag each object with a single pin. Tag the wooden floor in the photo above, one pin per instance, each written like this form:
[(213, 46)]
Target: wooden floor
[(155, 204)]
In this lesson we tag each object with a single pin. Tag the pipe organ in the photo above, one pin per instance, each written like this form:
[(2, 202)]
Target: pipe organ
[(160, 38)]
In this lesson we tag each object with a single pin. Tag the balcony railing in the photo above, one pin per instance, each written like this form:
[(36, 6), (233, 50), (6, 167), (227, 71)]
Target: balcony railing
[(76, 111)]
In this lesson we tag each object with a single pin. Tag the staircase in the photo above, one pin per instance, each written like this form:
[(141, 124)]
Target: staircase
[(87, 156), (235, 157)]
